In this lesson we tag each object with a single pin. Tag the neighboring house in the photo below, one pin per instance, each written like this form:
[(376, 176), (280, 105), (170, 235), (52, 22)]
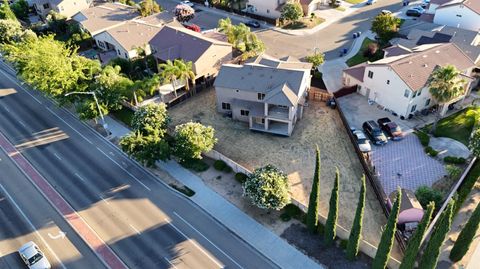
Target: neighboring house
[(266, 8), (466, 40), (67, 8), (205, 53), (456, 13), (310, 6), (399, 81), (266, 92), (119, 28), (411, 211)]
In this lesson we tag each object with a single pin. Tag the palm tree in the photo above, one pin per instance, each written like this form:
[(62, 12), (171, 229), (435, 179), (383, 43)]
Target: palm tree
[(225, 26), (445, 84), (169, 73), (185, 72)]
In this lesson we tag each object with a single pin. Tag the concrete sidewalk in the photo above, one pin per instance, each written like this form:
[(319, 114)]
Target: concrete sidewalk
[(282, 254), (333, 70)]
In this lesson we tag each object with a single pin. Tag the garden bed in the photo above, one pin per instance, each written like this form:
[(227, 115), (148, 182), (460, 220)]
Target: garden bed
[(360, 57), (303, 23)]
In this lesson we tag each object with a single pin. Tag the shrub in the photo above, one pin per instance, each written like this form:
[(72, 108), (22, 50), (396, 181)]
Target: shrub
[(431, 152), (293, 211), (372, 48), (240, 177), (453, 171), (454, 160), (426, 194), (227, 169), (219, 165), (285, 217), (320, 229), (423, 137), (343, 243), (195, 165)]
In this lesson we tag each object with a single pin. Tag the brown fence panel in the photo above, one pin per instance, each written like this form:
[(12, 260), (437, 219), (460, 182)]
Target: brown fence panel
[(377, 186), (345, 91)]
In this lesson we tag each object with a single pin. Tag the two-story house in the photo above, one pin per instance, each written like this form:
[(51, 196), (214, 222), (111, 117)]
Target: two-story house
[(399, 81), (67, 8), (463, 14), (273, 8), (266, 92)]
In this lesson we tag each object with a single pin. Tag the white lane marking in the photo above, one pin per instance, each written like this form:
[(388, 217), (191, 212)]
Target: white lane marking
[(124, 169), (22, 123), (195, 244), (51, 111), (56, 155), (135, 229), (170, 262), (32, 226), (6, 108), (186, 222), (80, 177)]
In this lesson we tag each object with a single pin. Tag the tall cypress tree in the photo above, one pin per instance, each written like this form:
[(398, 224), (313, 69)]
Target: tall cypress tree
[(312, 214), (331, 224), (432, 250), (415, 241), (356, 232), (388, 235), (466, 236)]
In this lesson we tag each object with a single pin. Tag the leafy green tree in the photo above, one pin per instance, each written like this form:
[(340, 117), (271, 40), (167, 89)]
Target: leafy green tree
[(267, 187), (147, 149), (185, 72), (313, 204), (331, 223), (316, 59), (474, 143), (356, 231), (466, 236), (87, 108), (414, 242), (388, 235), (385, 26), (445, 84), (192, 139), (169, 73), (148, 7), (432, 250), (57, 22), (10, 31), (20, 9), (292, 11), (151, 117), (426, 194), (5, 12), (128, 2)]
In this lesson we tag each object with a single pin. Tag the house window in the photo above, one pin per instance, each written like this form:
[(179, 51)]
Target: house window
[(419, 92), (46, 6), (284, 107), (413, 108), (427, 103), (370, 74), (260, 96), (414, 94), (458, 15), (406, 93), (126, 55), (268, 10), (244, 112), (101, 44), (388, 82), (119, 52), (226, 106)]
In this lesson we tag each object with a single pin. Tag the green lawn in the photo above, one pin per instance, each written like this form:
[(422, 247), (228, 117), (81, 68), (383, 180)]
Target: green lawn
[(360, 57), (457, 126), (125, 115), (354, 1)]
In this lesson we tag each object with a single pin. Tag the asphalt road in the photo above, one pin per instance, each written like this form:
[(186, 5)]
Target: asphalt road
[(144, 222), (25, 215), (329, 40)]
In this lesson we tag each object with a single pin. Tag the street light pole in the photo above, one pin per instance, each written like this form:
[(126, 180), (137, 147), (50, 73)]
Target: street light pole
[(105, 125)]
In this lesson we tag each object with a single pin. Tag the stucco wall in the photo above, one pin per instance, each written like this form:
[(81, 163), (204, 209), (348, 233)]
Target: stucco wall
[(68, 8), (266, 8)]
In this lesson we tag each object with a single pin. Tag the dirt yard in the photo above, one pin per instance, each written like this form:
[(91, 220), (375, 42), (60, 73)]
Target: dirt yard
[(295, 155)]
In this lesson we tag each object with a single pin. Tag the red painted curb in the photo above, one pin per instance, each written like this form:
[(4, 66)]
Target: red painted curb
[(101, 249)]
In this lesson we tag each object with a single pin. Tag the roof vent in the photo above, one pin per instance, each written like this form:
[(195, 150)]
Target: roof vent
[(437, 51), (425, 65), (425, 56), (410, 62)]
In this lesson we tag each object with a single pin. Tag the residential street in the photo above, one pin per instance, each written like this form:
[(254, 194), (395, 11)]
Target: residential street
[(145, 223), (27, 216)]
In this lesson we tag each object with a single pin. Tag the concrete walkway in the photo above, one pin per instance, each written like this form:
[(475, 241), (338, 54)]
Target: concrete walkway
[(449, 147), (332, 70), (255, 234)]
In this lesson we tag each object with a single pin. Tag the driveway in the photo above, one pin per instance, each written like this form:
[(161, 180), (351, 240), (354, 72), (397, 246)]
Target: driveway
[(399, 163)]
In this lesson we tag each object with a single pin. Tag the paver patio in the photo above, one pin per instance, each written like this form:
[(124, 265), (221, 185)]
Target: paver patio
[(294, 155)]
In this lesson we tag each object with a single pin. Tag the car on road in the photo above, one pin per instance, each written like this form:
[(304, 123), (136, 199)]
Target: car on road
[(187, 3), (385, 12), (362, 140), (370, 2), (33, 257), (376, 134), (391, 128), (415, 12), (252, 23)]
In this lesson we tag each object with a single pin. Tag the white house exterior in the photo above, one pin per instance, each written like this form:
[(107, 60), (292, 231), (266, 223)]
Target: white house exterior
[(400, 82), (463, 14), (67, 8), (266, 8)]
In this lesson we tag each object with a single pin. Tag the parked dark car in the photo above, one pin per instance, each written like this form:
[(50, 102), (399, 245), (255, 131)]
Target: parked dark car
[(390, 128), (376, 134), (415, 12), (254, 24)]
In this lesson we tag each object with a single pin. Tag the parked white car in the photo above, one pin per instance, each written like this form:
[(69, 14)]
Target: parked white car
[(362, 141), (33, 257), (187, 3)]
